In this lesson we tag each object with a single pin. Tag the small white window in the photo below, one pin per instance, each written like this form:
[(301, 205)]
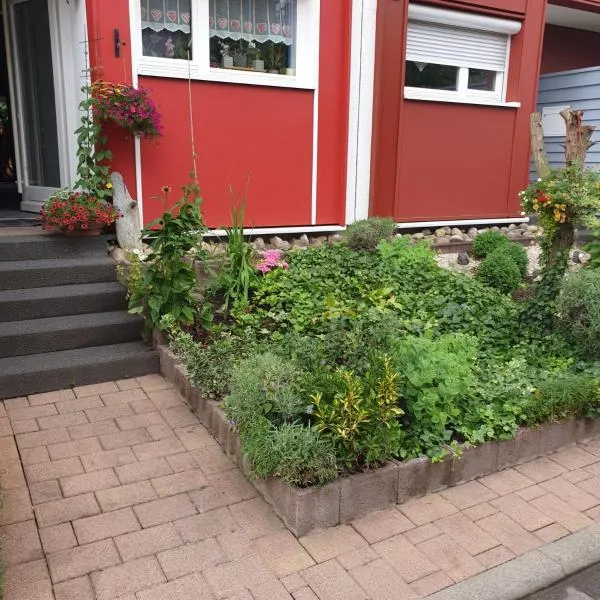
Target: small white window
[(261, 42), (456, 57)]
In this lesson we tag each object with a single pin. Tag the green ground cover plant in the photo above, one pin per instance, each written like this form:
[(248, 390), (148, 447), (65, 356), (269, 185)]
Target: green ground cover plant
[(343, 356)]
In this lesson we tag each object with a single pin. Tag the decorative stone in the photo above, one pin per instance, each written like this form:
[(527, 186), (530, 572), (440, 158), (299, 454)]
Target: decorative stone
[(118, 255), (457, 238), (494, 228), (128, 226), (335, 237), (584, 258), (532, 228), (303, 241), (456, 231), (319, 240), (441, 240), (440, 232), (463, 259), (259, 244), (473, 231), (280, 244), (523, 226), (426, 232), (512, 227), (417, 236)]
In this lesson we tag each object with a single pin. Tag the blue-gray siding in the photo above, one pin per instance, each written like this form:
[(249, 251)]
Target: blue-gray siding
[(579, 89)]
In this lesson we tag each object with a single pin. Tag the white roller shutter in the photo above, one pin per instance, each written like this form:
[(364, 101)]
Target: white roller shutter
[(456, 46)]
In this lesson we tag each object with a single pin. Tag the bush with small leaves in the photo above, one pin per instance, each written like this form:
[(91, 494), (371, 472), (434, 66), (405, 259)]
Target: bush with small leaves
[(366, 234), (488, 241), (499, 271), (519, 256)]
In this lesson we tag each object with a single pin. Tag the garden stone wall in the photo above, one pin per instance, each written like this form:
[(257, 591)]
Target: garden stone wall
[(351, 497)]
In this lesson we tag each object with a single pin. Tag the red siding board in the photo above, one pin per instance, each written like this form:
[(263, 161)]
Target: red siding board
[(566, 49)]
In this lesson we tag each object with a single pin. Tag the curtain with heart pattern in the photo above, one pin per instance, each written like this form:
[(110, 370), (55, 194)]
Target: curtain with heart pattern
[(254, 20), (172, 15)]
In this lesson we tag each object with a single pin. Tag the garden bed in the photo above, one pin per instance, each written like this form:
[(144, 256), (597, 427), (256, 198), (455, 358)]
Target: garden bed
[(353, 496)]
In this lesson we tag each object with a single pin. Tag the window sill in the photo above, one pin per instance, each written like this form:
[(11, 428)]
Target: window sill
[(474, 101), (184, 71)]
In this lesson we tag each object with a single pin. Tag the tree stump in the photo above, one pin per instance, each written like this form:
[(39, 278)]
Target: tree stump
[(128, 226)]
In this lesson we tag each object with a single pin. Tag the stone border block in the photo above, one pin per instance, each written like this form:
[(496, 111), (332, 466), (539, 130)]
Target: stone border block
[(587, 429), (557, 435), (523, 447), (475, 461)]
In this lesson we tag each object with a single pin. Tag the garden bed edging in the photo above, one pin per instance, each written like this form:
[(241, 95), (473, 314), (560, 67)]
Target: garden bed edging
[(353, 496)]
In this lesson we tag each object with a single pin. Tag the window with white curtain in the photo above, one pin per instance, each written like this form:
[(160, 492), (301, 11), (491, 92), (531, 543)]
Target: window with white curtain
[(267, 42), (457, 56)]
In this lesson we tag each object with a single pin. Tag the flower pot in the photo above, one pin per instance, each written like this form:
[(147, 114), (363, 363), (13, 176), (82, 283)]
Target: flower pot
[(291, 72), (93, 229), (258, 65), (227, 62), (240, 60)]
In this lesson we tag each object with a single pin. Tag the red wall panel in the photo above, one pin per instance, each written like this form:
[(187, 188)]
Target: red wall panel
[(242, 132), (518, 7), (565, 49)]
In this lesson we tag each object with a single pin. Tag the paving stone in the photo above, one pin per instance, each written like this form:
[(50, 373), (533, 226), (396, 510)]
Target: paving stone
[(31, 456), (468, 494), (294, 582), (146, 419), (123, 398), (382, 525), (233, 577), (124, 439), (271, 590), (381, 582), (57, 537), (183, 462), (571, 494), (11, 475), (186, 481), (5, 428), (53, 470), (509, 533), (405, 558), (88, 482), (157, 449), (201, 527), (164, 510), (180, 416), (28, 581), (192, 587), (20, 543), (454, 560), (425, 510), (256, 517), (576, 476), (95, 389), (82, 560), (163, 399), (591, 486), (431, 584), (69, 406), (357, 558), (108, 412), (139, 471), (95, 429), (148, 541), (13, 403), (331, 582), (49, 397), (423, 533), (506, 482), (190, 558), (153, 382), (41, 438), (16, 506), (75, 589), (108, 459), (326, 544), (195, 437), (495, 556), (282, 553), (106, 525), (125, 495), (212, 460), (466, 534), (31, 412), (67, 420), (142, 406), (236, 544), (541, 469), (208, 499), (75, 448), (69, 509), (127, 384), (232, 485), (551, 533), (304, 594), (594, 514), (574, 458), (160, 432), (534, 491), (24, 426), (132, 577), (562, 513), (45, 491), (522, 512), (480, 511)]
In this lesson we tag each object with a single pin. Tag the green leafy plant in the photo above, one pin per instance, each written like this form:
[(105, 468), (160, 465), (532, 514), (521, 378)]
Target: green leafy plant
[(366, 234), (593, 248), (500, 271), (488, 241), (169, 283), (579, 310), (361, 415)]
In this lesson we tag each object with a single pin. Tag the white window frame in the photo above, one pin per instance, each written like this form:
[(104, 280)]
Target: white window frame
[(306, 52), (463, 94)]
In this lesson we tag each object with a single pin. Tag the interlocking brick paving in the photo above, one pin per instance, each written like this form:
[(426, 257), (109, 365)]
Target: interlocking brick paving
[(115, 491)]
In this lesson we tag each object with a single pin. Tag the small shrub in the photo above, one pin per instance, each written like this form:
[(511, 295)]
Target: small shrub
[(366, 234), (579, 310), (296, 453), (488, 241), (594, 249), (519, 256), (499, 271)]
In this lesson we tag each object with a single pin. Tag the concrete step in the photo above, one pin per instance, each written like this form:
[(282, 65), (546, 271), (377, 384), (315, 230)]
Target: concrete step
[(56, 301), (24, 274), (49, 245), (35, 373), (18, 338)]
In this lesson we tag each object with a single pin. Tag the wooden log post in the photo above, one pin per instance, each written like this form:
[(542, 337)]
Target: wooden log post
[(538, 152), (578, 136)]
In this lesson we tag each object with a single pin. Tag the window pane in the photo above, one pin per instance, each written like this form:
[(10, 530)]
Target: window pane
[(254, 35), (166, 28), (435, 77), (484, 81)]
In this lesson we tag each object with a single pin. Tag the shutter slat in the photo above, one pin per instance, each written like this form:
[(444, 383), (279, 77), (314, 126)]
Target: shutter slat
[(455, 46)]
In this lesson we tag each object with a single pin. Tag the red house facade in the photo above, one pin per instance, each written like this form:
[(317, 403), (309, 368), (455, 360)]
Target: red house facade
[(322, 112)]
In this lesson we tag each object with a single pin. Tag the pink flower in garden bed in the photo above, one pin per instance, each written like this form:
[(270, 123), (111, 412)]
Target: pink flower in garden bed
[(271, 259)]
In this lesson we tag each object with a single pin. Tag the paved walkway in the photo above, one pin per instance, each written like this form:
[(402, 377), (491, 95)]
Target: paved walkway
[(115, 491), (583, 586)]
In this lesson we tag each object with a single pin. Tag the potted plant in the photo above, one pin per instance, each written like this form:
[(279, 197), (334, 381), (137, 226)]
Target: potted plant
[(227, 59), (254, 55), (240, 58)]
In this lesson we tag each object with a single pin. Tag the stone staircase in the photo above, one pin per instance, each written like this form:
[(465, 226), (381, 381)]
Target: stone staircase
[(63, 316)]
